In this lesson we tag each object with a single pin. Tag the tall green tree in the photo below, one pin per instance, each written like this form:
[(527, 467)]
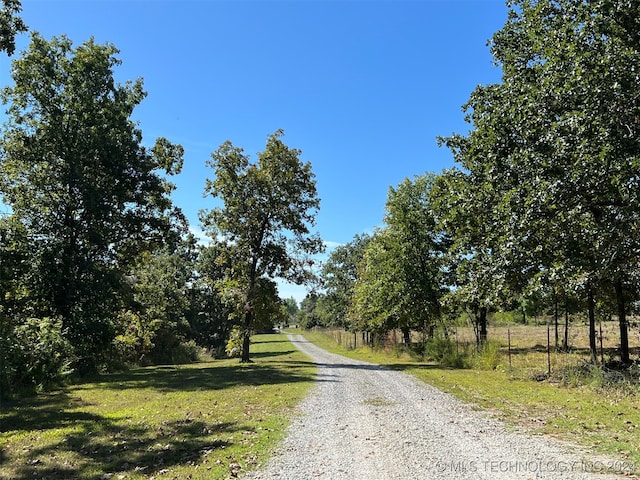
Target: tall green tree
[(375, 306), (420, 245), (313, 311), (339, 274), (76, 176), (268, 208), (399, 282), (576, 65), (290, 308), (554, 151)]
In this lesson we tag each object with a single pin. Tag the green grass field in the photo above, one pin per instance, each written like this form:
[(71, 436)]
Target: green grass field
[(201, 421)]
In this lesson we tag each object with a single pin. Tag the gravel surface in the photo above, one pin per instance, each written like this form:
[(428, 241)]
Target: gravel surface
[(362, 421)]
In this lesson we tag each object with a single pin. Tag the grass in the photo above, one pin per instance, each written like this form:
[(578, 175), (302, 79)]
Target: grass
[(206, 420), (603, 419)]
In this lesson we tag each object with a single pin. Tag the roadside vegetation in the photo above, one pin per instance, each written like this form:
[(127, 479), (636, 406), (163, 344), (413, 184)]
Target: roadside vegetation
[(579, 403), (536, 222), (206, 420)]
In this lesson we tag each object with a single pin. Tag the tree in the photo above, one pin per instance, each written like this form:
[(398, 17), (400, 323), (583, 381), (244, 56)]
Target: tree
[(268, 209), (208, 313), (290, 309), (419, 245), (575, 65), (553, 153), (339, 274), (399, 281), (10, 25), (375, 306), (155, 321), (313, 311), (77, 178)]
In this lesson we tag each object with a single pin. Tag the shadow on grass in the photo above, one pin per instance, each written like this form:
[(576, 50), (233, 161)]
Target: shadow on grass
[(255, 355), (56, 410), (100, 446), (188, 378), (268, 338), (103, 446)]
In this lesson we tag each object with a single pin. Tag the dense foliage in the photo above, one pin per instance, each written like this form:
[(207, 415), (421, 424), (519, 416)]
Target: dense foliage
[(539, 215), (542, 206), (264, 222), (96, 270)]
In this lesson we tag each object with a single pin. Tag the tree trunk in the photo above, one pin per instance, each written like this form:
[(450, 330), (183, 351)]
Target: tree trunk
[(482, 326), (622, 320), (406, 336), (555, 318), (593, 349), (246, 338), (248, 313)]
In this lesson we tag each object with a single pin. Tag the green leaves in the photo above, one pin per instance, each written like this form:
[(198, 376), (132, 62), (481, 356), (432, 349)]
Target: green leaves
[(549, 168), (399, 279), (268, 208), (10, 25), (76, 177)]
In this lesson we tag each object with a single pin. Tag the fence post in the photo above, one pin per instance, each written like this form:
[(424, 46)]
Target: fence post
[(509, 346), (548, 349)]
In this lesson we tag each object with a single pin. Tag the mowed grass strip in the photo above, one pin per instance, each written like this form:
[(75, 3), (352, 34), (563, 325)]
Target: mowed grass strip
[(202, 421), (602, 419)]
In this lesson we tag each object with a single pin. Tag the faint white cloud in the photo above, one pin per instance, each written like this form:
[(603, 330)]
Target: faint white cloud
[(202, 237), (331, 245)]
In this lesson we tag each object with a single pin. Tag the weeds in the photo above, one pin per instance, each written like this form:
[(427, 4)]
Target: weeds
[(489, 356), (599, 377)]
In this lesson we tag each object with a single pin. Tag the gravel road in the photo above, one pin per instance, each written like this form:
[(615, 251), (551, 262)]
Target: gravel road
[(362, 421)]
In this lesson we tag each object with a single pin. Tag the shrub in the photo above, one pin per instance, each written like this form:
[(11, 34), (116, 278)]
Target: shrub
[(444, 351), (186, 352), (489, 356), (34, 355), (234, 345)]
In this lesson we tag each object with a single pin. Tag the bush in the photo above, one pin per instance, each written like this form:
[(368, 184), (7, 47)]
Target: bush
[(133, 343), (186, 352), (444, 351), (489, 356), (34, 356), (234, 345)]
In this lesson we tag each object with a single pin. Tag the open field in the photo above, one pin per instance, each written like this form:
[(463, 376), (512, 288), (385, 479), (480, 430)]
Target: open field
[(523, 348), (590, 410), (201, 421)]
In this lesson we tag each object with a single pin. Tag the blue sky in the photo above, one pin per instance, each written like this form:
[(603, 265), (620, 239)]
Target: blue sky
[(363, 88)]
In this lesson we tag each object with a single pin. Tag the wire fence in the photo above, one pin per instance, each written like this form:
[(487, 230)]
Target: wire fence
[(539, 348)]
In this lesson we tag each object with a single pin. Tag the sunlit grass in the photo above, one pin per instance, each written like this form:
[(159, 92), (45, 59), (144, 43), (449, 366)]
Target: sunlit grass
[(201, 421)]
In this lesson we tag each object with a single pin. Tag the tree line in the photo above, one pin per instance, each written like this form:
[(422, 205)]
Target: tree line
[(542, 206), (98, 270)]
